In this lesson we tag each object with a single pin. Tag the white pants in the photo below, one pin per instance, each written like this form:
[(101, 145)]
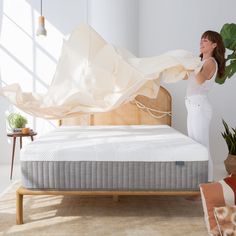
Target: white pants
[(198, 123)]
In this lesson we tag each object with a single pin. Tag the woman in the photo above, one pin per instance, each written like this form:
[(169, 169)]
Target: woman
[(198, 107)]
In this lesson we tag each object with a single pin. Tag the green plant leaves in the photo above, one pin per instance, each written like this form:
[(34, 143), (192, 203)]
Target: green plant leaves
[(231, 56), (16, 120), (229, 72), (230, 138), (226, 127), (228, 33)]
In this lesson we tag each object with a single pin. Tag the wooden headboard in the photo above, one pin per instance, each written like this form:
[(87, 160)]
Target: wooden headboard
[(131, 113)]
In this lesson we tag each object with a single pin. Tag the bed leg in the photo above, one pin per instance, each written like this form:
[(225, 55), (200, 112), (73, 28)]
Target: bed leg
[(115, 198), (19, 207)]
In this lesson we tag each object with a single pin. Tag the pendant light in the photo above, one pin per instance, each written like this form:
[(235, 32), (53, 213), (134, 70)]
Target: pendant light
[(41, 27)]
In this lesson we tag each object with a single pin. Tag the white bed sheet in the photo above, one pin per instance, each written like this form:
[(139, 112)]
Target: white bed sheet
[(147, 143)]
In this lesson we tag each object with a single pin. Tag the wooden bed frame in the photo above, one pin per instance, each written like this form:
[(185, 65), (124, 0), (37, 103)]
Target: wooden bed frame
[(127, 114)]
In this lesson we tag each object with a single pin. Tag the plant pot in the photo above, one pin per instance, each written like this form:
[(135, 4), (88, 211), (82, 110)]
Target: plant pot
[(230, 164), (25, 130)]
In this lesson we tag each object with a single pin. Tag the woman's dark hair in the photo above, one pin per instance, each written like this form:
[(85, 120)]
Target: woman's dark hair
[(218, 52)]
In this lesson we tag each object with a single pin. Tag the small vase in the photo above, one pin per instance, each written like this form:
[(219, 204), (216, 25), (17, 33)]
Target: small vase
[(230, 164)]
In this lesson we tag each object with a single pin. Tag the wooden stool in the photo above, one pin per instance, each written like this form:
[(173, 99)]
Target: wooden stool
[(15, 135)]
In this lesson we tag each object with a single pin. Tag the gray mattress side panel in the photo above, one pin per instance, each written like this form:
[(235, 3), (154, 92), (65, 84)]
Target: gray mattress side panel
[(93, 175)]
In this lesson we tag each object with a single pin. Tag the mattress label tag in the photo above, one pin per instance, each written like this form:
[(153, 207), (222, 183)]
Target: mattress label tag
[(180, 163)]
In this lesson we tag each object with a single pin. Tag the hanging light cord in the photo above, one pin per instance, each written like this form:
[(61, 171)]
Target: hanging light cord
[(41, 27), (87, 12), (41, 7)]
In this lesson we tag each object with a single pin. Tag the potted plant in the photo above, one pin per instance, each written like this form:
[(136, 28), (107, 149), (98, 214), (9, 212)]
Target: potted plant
[(228, 34), (230, 139), (16, 121)]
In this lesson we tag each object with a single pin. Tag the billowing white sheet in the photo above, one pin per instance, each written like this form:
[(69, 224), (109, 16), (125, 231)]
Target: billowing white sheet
[(92, 76), (114, 143)]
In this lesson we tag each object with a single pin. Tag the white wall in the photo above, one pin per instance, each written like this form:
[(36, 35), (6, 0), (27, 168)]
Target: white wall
[(145, 27), (169, 24), (116, 21)]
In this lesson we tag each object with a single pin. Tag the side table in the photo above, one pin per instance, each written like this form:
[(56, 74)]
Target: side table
[(15, 135)]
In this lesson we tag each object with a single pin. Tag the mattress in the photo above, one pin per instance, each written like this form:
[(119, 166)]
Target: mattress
[(143, 157)]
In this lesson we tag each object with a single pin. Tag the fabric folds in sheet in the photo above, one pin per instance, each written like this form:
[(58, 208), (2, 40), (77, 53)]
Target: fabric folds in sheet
[(93, 76)]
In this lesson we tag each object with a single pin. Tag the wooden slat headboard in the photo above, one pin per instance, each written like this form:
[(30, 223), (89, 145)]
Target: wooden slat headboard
[(130, 113)]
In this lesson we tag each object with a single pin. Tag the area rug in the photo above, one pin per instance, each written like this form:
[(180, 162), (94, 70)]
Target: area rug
[(101, 216)]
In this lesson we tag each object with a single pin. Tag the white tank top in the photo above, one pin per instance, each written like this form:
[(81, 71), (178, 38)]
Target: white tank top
[(193, 88)]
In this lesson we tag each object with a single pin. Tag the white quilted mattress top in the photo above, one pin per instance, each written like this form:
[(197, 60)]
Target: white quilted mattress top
[(148, 143)]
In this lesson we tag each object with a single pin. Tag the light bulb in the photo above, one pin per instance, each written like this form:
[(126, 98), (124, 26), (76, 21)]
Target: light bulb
[(41, 27)]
